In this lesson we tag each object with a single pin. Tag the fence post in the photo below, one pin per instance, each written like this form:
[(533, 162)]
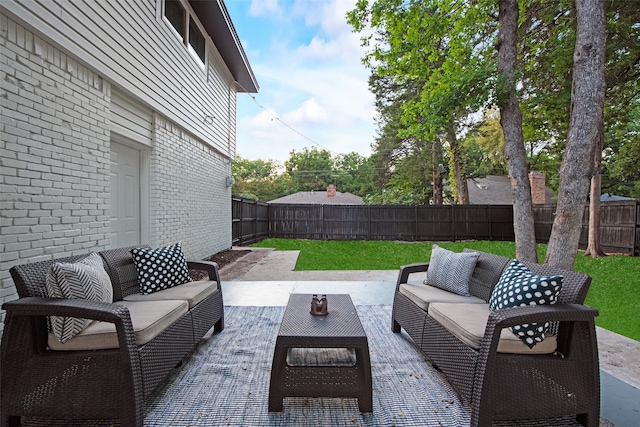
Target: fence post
[(636, 248), (322, 227), (242, 222), (453, 224), (415, 222)]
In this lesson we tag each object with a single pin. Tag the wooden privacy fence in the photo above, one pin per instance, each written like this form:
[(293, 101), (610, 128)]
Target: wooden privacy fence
[(249, 221), (254, 221)]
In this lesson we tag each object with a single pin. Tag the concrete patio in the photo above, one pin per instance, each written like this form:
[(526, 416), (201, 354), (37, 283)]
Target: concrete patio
[(266, 278)]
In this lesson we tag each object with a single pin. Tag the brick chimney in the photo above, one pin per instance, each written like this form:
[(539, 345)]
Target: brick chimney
[(331, 191), (538, 187)]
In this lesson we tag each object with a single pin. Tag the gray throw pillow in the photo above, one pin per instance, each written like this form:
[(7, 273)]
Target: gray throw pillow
[(451, 271), (84, 279)]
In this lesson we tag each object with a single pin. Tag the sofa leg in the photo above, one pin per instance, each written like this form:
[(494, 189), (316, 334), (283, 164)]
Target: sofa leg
[(395, 326), (219, 326), (588, 420), (10, 421)]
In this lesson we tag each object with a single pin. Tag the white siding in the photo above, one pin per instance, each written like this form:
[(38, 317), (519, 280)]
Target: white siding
[(131, 119), (129, 44)]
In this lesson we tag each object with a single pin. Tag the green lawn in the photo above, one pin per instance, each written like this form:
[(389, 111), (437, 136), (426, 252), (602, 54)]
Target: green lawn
[(615, 289)]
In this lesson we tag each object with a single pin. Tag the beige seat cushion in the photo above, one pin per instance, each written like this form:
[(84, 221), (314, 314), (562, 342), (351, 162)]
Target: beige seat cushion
[(192, 292), (423, 295), (148, 318), (468, 322)]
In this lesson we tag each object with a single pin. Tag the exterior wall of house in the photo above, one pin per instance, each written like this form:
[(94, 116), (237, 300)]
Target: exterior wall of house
[(55, 154), (61, 110), (132, 45), (190, 201)]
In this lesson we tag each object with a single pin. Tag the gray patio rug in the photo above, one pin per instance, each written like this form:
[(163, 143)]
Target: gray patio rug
[(226, 381)]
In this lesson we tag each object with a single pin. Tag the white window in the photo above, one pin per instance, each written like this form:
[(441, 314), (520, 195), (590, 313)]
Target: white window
[(186, 28)]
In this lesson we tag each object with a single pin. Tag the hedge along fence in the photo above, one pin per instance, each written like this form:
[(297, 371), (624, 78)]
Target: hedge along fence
[(254, 221)]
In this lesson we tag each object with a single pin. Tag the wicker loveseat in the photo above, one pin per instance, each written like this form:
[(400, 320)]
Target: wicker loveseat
[(112, 374), (465, 340)]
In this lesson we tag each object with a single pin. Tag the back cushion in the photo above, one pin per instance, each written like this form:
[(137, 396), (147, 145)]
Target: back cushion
[(575, 285), (120, 266), (488, 270)]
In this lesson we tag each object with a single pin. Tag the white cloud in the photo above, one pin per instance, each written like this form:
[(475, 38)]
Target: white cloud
[(263, 7), (309, 112), (319, 88)]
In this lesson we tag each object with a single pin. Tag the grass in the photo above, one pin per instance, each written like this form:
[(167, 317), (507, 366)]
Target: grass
[(615, 289)]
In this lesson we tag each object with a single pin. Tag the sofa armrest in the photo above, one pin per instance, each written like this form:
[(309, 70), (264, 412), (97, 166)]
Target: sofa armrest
[(94, 310), (406, 270), (124, 364), (585, 352), (506, 318), (209, 266)]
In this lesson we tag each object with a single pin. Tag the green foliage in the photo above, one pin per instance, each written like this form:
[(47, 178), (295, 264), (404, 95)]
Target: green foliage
[(395, 196), (354, 174), (613, 291), (431, 65), (310, 169), (259, 179), (434, 61)]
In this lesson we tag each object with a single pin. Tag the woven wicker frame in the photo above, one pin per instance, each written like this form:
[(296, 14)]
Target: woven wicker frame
[(299, 329), (90, 385), (501, 386)]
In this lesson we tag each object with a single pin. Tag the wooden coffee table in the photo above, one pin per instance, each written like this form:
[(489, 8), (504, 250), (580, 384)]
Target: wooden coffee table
[(340, 329)]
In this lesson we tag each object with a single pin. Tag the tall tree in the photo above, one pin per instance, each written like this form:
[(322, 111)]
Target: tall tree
[(443, 45), (310, 169), (585, 127), (354, 174), (511, 121), (259, 179)]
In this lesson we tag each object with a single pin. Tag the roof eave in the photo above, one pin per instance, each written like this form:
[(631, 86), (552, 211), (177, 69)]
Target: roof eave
[(215, 18)]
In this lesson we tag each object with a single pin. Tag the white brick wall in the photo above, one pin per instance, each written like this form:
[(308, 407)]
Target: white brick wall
[(190, 201), (54, 167)]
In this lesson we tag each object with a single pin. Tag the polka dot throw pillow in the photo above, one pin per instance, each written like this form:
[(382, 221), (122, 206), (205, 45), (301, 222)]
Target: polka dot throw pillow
[(160, 268), (519, 287)]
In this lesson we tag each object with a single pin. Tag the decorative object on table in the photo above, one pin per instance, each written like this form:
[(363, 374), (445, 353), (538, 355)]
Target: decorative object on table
[(319, 306)]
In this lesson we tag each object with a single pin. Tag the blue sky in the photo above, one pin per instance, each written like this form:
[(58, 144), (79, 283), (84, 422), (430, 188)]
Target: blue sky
[(307, 63)]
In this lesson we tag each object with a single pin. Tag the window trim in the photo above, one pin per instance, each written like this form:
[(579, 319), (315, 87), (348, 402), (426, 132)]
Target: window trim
[(185, 38)]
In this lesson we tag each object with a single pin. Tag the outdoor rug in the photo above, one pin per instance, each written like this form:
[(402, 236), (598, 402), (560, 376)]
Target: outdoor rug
[(226, 381)]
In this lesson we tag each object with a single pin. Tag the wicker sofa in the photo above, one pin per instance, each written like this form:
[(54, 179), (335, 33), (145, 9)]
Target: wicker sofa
[(498, 378), (114, 372)]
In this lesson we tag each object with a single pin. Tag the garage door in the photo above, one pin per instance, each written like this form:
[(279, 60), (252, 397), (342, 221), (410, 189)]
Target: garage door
[(125, 196)]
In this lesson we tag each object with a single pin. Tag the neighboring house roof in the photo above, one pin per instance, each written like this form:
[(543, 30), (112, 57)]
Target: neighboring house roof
[(495, 190), (320, 198), (606, 197), (216, 20)]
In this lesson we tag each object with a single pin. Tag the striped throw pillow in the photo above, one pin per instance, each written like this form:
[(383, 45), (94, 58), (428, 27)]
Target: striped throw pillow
[(451, 271), (84, 279)]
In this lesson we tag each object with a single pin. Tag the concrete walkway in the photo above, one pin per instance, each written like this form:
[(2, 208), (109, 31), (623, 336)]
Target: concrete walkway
[(266, 278)]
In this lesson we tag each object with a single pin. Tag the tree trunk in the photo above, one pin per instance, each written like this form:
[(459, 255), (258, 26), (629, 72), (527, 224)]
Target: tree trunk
[(593, 248), (585, 122), (436, 176), (462, 190), (511, 121)]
